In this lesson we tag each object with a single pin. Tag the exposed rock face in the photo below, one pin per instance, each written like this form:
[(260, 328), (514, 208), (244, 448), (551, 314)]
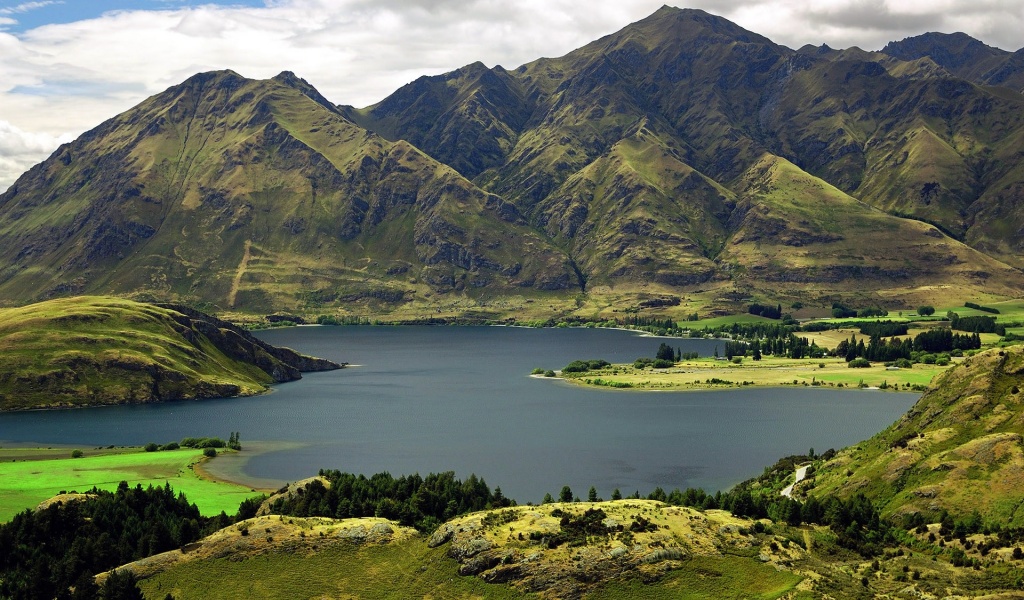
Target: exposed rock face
[(530, 547)]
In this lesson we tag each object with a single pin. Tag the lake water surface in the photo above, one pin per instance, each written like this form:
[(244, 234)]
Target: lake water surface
[(429, 399)]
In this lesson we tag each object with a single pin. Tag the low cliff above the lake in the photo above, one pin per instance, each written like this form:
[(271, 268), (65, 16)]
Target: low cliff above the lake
[(92, 351)]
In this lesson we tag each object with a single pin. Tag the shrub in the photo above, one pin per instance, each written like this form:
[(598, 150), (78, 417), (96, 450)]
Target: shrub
[(170, 446), (549, 373), (859, 363), (210, 452), (537, 371), (77, 454), (152, 447), (661, 363), (925, 310)]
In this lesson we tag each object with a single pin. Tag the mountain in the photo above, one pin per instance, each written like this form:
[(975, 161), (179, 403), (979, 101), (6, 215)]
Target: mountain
[(680, 155), (655, 129), (249, 194), (964, 57), (93, 350), (957, 449)]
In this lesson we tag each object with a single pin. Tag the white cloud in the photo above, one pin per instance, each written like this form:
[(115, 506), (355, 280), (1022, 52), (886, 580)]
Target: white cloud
[(24, 7), (60, 80)]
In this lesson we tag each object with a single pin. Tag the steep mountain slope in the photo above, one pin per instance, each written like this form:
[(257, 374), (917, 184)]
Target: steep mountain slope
[(92, 350), (907, 137), (959, 448), (681, 153), (252, 193), (965, 57)]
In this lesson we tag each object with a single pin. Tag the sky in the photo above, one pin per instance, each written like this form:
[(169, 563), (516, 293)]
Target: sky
[(68, 65)]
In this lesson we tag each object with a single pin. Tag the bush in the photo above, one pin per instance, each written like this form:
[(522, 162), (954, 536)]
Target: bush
[(549, 373), (942, 360), (210, 452), (537, 371), (925, 310), (661, 363), (77, 454), (859, 363), (152, 447), (170, 446)]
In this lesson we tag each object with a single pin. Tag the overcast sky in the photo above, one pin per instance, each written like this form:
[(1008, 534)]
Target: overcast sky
[(65, 66)]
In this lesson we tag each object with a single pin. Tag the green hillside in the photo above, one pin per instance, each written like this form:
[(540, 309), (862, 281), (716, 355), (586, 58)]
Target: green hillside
[(680, 156), (958, 449), (96, 350)]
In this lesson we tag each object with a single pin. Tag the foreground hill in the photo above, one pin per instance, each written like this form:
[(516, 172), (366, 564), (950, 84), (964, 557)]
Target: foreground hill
[(958, 449), (649, 548), (92, 351), (682, 154)]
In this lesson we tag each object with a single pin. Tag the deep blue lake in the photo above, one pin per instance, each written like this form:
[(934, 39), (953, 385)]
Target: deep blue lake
[(429, 399)]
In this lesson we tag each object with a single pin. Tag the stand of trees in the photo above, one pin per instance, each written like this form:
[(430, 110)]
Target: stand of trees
[(420, 502), (879, 350), (768, 312), (44, 553)]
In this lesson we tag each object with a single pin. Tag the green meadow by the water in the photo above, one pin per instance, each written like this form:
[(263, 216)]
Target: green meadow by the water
[(30, 476)]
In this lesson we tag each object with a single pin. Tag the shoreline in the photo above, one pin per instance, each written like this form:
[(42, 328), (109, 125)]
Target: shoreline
[(229, 467)]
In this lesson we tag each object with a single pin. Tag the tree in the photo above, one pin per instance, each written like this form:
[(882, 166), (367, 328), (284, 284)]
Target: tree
[(121, 585), (665, 352), (547, 499), (925, 310), (592, 494), (616, 494), (565, 495)]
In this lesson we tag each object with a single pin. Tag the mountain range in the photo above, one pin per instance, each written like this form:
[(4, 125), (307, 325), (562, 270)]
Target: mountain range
[(682, 155)]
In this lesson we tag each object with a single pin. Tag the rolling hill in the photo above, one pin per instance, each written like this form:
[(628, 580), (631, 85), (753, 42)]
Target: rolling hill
[(90, 351)]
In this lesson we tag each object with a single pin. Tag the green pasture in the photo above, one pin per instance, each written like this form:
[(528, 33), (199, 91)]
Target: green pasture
[(30, 476)]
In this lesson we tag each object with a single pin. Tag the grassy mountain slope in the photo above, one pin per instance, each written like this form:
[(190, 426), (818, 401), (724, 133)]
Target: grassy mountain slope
[(627, 167), (252, 193), (964, 57), (92, 350), (794, 228), (959, 448), (907, 137)]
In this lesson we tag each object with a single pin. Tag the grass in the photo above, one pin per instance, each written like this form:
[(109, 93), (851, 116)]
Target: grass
[(404, 570), (768, 372), (708, 577), (30, 476), (101, 350)]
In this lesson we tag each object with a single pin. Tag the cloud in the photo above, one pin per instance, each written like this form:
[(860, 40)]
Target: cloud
[(60, 80), (25, 7), (19, 150)]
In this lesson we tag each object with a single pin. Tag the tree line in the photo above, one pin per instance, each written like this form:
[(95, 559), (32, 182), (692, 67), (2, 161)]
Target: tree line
[(412, 500), (44, 553)]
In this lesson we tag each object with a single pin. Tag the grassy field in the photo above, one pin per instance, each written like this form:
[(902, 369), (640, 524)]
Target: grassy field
[(404, 570), (770, 371), (30, 476), (708, 577)]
